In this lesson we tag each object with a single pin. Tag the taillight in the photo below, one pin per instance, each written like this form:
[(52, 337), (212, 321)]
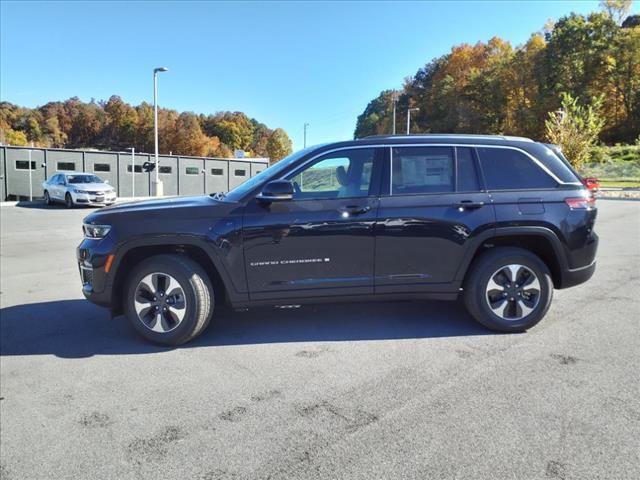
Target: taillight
[(591, 183), (581, 203)]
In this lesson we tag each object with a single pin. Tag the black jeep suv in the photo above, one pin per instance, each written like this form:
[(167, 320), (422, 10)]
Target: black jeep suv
[(501, 221)]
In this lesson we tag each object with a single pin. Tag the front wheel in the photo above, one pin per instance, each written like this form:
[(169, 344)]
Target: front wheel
[(47, 198), (68, 201), (508, 289), (169, 299)]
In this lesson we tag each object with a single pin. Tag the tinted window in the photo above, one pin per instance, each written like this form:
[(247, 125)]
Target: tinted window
[(240, 173), (24, 165), (467, 174), (165, 169), (138, 168), (506, 169), (422, 170), (217, 171), (69, 166), (101, 167), (192, 170), (339, 174)]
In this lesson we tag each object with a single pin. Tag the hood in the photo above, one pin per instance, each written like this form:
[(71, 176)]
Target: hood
[(176, 206)]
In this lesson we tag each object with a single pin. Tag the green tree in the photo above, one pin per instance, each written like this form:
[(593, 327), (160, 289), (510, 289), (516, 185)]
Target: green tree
[(575, 128)]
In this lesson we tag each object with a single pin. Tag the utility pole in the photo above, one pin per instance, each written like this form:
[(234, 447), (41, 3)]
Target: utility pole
[(305, 135), (159, 191), (395, 102), (409, 118)]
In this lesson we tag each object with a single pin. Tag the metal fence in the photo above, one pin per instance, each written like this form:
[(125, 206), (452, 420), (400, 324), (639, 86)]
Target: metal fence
[(180, 175)]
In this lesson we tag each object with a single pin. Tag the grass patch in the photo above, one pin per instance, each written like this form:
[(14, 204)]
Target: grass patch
[(620, 184)]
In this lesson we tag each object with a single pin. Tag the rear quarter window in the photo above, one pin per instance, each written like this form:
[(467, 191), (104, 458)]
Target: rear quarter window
[(508, 169)]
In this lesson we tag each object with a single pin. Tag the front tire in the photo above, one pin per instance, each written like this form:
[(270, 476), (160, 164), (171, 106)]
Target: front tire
[(47, 198), (508, 289), (68, 201), (169, 299)]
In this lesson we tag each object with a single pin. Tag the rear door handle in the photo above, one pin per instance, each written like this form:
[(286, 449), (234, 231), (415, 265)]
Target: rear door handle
[(468, 205), (354, 210)]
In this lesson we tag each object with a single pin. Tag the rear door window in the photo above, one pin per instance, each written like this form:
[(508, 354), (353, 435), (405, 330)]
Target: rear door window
[(508, 169), (418, 170)]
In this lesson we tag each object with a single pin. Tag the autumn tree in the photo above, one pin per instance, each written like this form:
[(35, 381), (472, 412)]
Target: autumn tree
[(279, 145)]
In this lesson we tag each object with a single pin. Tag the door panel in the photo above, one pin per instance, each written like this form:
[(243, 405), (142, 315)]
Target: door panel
[(421, 239), (309, 248)]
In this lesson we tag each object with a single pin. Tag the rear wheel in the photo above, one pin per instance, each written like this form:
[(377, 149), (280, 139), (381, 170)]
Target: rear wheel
[(169, 299), (508, 289), (68, 201)]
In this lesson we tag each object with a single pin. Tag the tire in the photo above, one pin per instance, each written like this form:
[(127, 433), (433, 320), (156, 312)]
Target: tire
[(47, 198), (68, 201), (191, 310), (521, 308)]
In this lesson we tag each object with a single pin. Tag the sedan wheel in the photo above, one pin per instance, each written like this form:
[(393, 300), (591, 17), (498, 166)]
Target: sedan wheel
[(68, 201), (47, 198)]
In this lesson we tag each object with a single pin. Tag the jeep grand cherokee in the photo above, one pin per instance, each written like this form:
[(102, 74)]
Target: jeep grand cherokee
[(499, 221)]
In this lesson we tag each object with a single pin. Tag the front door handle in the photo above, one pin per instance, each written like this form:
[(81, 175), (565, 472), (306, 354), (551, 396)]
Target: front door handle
[(354, 210), (468, 205)]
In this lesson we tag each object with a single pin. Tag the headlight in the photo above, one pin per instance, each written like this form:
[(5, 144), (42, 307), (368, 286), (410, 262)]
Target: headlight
[(79, 191), (95, 231)]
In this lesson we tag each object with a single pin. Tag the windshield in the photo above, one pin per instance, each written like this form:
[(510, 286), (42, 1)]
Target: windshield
[(241, 190), (83, 179)]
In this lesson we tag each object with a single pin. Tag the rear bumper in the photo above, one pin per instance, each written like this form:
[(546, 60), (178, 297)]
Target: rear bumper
[(576, 276)]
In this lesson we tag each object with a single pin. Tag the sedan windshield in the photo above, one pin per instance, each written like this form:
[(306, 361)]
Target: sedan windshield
[(83, 179)]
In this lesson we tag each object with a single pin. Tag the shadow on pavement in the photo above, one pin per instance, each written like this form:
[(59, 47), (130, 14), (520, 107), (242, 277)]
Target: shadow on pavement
[(40, 205), (77, 328)]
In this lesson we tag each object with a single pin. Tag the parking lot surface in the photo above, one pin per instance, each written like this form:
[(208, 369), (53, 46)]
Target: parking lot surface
[(397, 390)]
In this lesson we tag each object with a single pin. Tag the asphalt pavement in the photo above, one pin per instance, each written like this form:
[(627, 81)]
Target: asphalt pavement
[(365, 391)]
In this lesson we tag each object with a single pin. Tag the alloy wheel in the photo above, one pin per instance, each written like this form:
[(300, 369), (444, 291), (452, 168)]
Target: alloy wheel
[(160, 302), (513, 292)]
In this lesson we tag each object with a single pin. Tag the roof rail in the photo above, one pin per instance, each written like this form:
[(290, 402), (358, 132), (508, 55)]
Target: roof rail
[(450, 135)]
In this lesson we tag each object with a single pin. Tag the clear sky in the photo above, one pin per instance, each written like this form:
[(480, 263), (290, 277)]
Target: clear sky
[(284, 63)]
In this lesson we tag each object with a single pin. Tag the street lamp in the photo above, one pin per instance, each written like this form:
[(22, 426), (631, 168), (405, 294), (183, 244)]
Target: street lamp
[(395, 102), (159, 191), (409, 118)]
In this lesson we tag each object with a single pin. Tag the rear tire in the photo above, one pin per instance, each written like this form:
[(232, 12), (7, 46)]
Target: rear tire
[(508, 289), (184, 307), (68, 201)]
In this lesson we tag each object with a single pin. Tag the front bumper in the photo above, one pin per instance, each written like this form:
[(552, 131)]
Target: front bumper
[(96, 282), (95, 200)]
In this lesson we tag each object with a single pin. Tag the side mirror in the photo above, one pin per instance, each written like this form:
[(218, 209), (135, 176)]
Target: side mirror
[(276, 191), (107, 182)]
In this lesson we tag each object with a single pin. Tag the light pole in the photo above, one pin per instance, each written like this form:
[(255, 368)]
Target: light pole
[(133, 171), (395, 102), (305, 135), (409, 118), (159, 191)]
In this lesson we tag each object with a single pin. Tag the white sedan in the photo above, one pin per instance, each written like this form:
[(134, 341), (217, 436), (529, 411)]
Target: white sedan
[(78, 189)]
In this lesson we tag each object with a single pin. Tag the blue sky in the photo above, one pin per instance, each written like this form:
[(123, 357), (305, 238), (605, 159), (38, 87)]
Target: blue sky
[(284, 63)]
